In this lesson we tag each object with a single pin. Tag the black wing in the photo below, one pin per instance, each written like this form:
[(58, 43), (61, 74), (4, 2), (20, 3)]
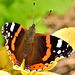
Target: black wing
[(14, 34)]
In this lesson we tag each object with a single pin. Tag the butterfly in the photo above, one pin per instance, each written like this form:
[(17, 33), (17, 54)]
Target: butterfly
[(38, 50)]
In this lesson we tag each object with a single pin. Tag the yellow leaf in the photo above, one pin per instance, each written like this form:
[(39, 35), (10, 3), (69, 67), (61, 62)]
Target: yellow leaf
[(5, 62), (45, 73), (4, 73), (24, 72), (23, 64), (21, 68), (50, 66)]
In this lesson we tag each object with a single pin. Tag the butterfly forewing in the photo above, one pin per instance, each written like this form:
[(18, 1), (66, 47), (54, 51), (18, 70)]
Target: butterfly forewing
[(14, 34)]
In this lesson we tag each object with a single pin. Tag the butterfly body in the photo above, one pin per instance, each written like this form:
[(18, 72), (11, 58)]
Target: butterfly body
[(39, 50), (28, 41)]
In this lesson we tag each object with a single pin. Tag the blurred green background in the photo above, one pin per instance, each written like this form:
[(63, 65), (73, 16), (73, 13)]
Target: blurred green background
[(21, 11)]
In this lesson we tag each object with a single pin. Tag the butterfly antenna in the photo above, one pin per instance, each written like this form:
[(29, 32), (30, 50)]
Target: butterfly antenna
[(44, 17), (33, 11)]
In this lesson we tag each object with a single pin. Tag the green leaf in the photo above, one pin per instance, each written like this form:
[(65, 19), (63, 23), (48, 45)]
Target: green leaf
[(21, 11)]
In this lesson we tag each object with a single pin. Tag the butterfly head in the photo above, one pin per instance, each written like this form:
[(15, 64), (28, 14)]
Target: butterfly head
[(32, 28)]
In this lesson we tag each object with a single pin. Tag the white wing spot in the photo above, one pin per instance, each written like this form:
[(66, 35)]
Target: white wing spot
[(7, 46), (8, 34), (12, 27), (11, 36), (2, 28), (54, 51), (7, 41), (68, 45), (9, 51), (59, 44), (56, 58), (2, 32), (7, 24), (63, 51), (46, 63), (6, 31), (59, 51), (51, 62)]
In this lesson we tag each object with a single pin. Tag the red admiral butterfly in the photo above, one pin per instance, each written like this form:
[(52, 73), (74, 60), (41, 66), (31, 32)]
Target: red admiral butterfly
[(39, 50)]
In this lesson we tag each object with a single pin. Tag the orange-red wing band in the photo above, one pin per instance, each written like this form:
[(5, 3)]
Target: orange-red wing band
[(38, 66), (48, 51), (16, 35), (12, 57)]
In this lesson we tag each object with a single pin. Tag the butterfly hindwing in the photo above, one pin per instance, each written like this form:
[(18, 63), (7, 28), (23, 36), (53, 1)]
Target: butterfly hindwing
[(48, 48), (14, 34)]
